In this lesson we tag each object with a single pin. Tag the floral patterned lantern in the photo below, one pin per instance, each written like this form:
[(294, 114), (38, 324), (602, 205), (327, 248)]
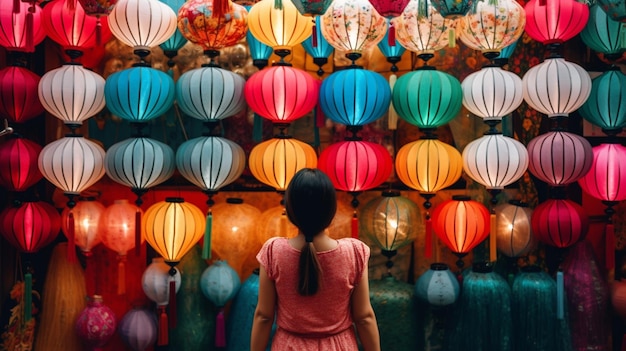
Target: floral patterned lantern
[(492, 93), (603, 34), (606, 105), (19, 100), (555, 21), (18, 164), (21, 30), (138, 329), (559, 222), (96, 324), (515, 236), (161, 286)]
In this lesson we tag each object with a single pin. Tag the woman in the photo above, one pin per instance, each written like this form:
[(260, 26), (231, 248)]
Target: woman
[(317, 287)]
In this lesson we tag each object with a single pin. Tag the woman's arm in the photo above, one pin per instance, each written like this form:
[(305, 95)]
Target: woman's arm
[(264, 314), (363, 315)]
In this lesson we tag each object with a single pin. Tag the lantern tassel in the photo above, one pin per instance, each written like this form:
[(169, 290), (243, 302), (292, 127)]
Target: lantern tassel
[(278, 4), (609, 242), (16, 6), (451, 38), (392, 115), (391, 35), (355, 226), (28, 296), (320, 118), (121, 275), (220, 8), (138, 232), (493, 253), (283, 224), (560, 298), (428, 242), (206, 247), (30, 41), (220, 329), (172, 303), (314, 35), (163, 327), (71, 244)]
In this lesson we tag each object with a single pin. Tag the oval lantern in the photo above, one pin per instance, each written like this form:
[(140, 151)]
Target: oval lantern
[(30, 226), (15, 30), (117, 226), (606, 178), (87, 231), (210, 93), (274, 162), (427, 98), (18, 164), (495, 160), (602, 33), (314, 8), (317, 46), (142, 24), (72, 93), (139, 94), (438, 286), (19, 100), (281, 94), (572, 90), (614, 8), (559, 222), (96, 324), (514, 234), (138, 329), (606, 105), (279, 28), (555, 21), (355, 97), (161, 282), (559, 158), (492, 93)]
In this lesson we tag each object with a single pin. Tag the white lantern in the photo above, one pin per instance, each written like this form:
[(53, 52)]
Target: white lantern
[(492, 93), (155, 281)]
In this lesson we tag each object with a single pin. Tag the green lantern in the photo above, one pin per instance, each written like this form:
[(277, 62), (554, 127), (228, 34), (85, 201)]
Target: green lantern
[(606, 106), (427, 98), (603, 34)]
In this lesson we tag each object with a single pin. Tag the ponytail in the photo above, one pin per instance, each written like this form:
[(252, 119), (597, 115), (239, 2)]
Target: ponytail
[(309, 270)]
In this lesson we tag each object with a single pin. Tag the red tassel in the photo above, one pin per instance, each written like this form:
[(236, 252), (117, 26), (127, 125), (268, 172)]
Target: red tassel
[(98, 31), (609, 242), (138, 232), (172, 303), (121, 275), (220, 8), (355, 226), (30, 41), (71, 243), (17, 6), (220, 329), (314, 36), (391, 37), (428, 242), (163, 327)]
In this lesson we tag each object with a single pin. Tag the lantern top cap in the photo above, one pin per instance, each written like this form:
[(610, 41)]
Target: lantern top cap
[(482, 267), (438, 266), (518, 203), (390, 193), (174, 199), (234, 200), (461, 198)]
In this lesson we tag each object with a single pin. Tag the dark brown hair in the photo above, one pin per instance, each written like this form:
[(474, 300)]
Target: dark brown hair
[(311, 204)]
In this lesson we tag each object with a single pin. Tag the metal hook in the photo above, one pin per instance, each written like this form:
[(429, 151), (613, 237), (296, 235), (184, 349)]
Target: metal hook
[(7, 129)]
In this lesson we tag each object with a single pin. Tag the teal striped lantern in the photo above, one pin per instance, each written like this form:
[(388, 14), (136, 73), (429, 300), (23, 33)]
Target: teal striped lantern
[(616, 9), (259, 52), (603, 34), (171, 46), (318, 47), (606, 105), (505, 54), (391, 48)]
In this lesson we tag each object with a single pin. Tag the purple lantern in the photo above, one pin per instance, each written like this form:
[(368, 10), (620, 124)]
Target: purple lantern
[(138, 329)]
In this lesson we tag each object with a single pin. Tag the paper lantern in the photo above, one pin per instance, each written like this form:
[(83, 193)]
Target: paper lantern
[(87, 232), (495, 160), (200, 24), (354, 97), (30, 226), (559, 222), (602, 33), (210, 93), (138, 329), (21, 30), (555, 21), (281, 94), (142, 24), (482, 30), (19, 101), (18, 164), (614, 8), (161, 282), (438, 286), (605, 180), (279, 28), (96, 324), (461, 224), (559, 158), (452, 9), (606, 105), (543, 94), (274, 162), (353, 26), (492, 93), (514, 234), (317, 46), (139, 94), (72, 93), (427, 98)]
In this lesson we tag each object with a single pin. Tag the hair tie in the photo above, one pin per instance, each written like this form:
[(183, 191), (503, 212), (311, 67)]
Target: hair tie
[(308, 239)]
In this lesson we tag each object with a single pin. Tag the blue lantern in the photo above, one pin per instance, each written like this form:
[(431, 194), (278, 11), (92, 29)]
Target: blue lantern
[(438, 286), (259, 52), (318, 47), (220, 283), (606, 105), (391, 49), (177, 40), (355, 96), (139, 94), (505, 54), (603, 34)]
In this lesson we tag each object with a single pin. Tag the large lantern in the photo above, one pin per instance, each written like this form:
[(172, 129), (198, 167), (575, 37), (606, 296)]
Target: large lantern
[(606, 105), (21, 30), (19, 100), (559, 222), (555, 21), (18, 164), (492, 93), (30, 226), (515, 237)]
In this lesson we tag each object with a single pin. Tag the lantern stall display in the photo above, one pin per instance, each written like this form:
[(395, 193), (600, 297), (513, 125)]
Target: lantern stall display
[(96, 324), (138, 329)]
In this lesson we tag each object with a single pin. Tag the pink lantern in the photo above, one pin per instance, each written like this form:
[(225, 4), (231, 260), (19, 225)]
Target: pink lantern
[(389, 8), (559, 222), (555, 21), (96, 324), (87, 215), (18, 164), (20, 30), (19, 100)]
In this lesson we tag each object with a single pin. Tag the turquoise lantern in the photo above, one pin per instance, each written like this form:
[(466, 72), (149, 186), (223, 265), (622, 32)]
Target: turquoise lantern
[(391, 49), (606, 105), (355, 96), (616, 9), (177, 40), (259, 52), (452, 9), (139, 94), (220, 283), (603, 34), (427, 98), (317, 46), (505, 54)]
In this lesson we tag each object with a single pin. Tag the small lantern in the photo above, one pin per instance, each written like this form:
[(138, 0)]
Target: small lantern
[(515, 236), (314, 8), (438, 286), (87, 230), (317, 46), (138, 329), (96, 324), (606, 105), (161, 286), (18, 164), (19, 100)]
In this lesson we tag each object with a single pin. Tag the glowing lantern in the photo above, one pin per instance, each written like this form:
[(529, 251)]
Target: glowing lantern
[(515, 236), (555, 21), (492, 93), (559, 222), (30, 226), (160, 282), (19, 100), (606, 105), (18, 164), (87, 215), (603, 34), (21, 30)]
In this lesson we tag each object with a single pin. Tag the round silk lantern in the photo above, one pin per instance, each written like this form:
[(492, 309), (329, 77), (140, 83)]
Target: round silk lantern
[(314, 8), (138, 329), (353, 26), (30, 226), (603, 34), (19, 100), (317, 46), (614, 8), (554, 100), (605, 181), (461, 224), (452, 9), (220, 283), (559, 158), (492, 93), (210, 93), (438, 286), (161, 286), (427, 98), (354, 96), (555, 21), (87, 231), (606, 105), (139, 94), (515, 237), (281, 94), (21, 30), (559, 222), (18, 163), (96, 324), (274, 162)]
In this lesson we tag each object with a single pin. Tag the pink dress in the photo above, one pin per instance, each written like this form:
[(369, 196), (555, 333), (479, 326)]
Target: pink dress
[(322, 321)]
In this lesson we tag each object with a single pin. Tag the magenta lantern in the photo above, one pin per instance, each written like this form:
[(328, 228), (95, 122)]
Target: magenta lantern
[(559, 158), (281, 94), (555, 21), (19, 169), (20, 30), (96, 324), (559, 222), (19, 100), (30, 226), (606, 180), (389, 8)]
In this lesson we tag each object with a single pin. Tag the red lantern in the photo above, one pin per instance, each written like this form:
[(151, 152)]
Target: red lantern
[(281, 94), (96, 324), (461, 224), (20, 30), (30, 226), (559, 222), (19, 169), (389, 8), (19, 100), (555, 21)]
